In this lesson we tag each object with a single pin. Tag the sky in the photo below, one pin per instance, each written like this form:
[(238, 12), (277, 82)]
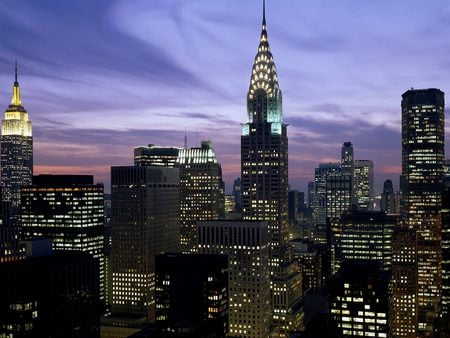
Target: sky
[(101, 77)]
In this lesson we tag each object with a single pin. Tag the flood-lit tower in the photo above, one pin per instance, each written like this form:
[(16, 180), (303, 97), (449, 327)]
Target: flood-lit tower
[(422, 179), (16, 154), (264, 164)]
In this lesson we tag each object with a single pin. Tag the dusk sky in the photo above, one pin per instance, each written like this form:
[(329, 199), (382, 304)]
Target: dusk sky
[(101, 77)]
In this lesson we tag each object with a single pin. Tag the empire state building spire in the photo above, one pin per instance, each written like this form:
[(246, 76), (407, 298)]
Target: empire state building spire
[(16, 101)]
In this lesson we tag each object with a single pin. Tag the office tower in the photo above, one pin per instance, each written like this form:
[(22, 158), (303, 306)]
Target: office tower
[(202, 195), (310, 194), (422, 178), (338, 194), (16, 156), (201, 191), (320, 196), (347, 158), (388, 204), (247, 245), (363, 184), (192, 294), (358, 302), (446, 253), (144, 223), (293, 206), (403, 303), (264, 179), (237, 194), (364, 235), (156, 156), (69, 210), (54, 295)]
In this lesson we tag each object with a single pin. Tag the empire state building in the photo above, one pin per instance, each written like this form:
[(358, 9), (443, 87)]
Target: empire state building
[(16, 154), (264, 177)]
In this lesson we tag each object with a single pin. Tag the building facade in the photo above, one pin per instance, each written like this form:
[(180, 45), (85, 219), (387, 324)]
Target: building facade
[(247, 245), (388, 202), (69, 210), (421, 184), (145, 204), (16, 156), (192, 294)]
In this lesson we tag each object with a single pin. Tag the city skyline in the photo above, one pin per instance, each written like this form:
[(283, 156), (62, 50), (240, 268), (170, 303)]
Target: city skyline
[(341, 81)]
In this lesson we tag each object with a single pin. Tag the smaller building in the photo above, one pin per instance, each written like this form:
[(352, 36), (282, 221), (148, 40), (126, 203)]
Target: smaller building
[(192, 294), (358, 299), (54, 295), (310, 262)]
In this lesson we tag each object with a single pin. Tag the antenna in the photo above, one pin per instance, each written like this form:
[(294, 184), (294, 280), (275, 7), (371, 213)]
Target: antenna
[(185, 138)]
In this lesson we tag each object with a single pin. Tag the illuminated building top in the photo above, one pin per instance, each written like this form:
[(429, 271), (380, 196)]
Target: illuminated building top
[(16, 120), (264, 91)]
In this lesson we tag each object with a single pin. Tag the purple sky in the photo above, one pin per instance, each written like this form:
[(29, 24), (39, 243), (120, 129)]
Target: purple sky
[(100, 77)]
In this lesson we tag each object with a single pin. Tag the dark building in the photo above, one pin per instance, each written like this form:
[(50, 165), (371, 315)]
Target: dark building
[(310, 262), (50, 296), (192, 294), (237, 194), (421, 185), (388, 204), (144, 223), (446, 255), (293, 209), (364, 235), (310, 194), (69, 210), (358, 299), (16, 156), (264, 179)]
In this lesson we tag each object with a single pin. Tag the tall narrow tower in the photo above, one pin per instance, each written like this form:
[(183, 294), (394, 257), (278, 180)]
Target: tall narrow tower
[(264, 179), (16, 155), (422, 179)]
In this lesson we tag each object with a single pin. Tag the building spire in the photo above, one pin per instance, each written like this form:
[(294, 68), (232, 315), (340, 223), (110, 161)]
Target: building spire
[(264, 13), (16, 101)]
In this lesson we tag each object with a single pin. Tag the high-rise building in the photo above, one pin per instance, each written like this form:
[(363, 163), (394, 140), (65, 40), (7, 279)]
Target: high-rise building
[(69, 210), (264, 178), (388, 204), (358, 302), (247, 245), (347, 159), (144, 223), (320, 196), (293, 206), (16, 156), (237, 194), (192, 294), (421, 183), (202, 195), (446, 253), (403, 302), (338, 194), (363, 184), (364, 235)]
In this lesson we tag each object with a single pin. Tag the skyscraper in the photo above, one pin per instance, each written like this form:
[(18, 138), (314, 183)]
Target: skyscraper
[(69, 210), (388, 204), (347, 158), (202, 195), (363, 184), (264, 179), (144, 223), (422, 178), (16, 155)]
